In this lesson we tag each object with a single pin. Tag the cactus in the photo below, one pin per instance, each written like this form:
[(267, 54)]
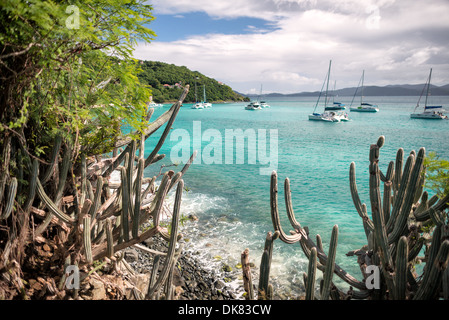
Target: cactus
[(395, 234), (311, 274), (329, 268), (94, 220), (10, 199)]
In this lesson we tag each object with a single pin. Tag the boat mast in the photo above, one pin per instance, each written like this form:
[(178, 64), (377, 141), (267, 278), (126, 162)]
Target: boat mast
[(428, 88), (319, 96), (327, 85), (204, 93), (363, 78)]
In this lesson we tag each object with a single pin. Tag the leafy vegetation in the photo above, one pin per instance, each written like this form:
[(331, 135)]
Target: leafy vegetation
[(437, 174), (67, 69), (166, 81)]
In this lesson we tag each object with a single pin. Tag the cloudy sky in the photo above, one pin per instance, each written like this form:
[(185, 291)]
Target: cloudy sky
[(286, 45)]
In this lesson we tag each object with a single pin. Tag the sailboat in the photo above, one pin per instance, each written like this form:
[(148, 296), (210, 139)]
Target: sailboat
[(363, 107), (328, 116), (335, 105), (256, 105), (430, 112), (263, 104), (197, 104), (205, 103)]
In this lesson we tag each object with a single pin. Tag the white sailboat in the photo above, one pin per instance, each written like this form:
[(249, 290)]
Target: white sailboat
[(263, 104), (253, 105), (256, 105), (335, 105), (363, 107), (205, 103), (327, 115), (197, 104), (430, 112)]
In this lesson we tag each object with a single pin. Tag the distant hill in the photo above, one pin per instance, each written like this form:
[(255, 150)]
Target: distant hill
[(390, 90), (167, 82)]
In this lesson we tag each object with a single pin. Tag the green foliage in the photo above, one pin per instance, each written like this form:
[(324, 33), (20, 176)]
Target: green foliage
[(157, 74), (437, 174), (67, 69)]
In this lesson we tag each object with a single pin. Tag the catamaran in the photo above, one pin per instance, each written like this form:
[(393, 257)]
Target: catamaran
[(197, 104), (430, 112), (205, 103), (363, 107), (254, 105), (327, 115)]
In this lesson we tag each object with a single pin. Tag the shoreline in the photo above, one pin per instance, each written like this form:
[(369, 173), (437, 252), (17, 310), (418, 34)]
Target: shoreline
[(191, 279)]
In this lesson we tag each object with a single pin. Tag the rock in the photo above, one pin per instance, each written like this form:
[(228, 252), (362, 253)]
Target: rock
[(226, 268), (219, 284), (193, 217), (98, 291), (131, 255)]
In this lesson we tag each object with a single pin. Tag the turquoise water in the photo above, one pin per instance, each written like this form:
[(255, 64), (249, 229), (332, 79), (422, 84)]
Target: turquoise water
[(232, 200)]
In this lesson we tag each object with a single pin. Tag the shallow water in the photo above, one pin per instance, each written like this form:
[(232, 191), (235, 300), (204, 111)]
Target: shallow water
[(232, 200)]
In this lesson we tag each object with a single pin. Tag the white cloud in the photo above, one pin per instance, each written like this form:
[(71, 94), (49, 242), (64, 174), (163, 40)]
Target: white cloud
[(394, 41)]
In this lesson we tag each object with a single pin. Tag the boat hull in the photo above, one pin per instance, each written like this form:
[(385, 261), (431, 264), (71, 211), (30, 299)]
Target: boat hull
[(361, 109), (430, 116)]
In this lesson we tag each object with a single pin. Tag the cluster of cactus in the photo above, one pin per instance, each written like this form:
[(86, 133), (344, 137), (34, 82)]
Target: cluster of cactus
[(404, 223), (101, 219)]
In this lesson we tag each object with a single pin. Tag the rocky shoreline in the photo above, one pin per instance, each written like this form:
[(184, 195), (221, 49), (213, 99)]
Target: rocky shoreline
[(191, 279)]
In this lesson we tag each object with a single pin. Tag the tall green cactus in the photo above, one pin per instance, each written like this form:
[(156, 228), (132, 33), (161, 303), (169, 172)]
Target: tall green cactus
[(395, 234)]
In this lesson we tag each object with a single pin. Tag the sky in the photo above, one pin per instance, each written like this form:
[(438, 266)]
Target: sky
[(285, 46)]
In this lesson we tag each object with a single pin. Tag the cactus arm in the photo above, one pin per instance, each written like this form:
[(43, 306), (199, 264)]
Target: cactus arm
[(173, 240), (96, 199), (311, 274), (401, 222), (87, 239), (440, 206), (446, 284), (330, 265), (289, 206), (388, 185), (138, 197), (158, 200), (265, 265), (52, 206), (247, 278), (164, 135), (83, 179), (432, 277), (116, 162), (275, 213), (361, 209), (101, 251), (125, 204), (10, 198), (32, 185), (400, 277), (62, 177), (180, 174), (400, 193), (53, 159)]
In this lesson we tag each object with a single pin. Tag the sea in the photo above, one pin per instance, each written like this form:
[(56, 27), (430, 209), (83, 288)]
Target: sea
[(230, 194)]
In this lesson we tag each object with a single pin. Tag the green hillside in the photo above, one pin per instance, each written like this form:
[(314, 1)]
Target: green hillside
[(167, 81)]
